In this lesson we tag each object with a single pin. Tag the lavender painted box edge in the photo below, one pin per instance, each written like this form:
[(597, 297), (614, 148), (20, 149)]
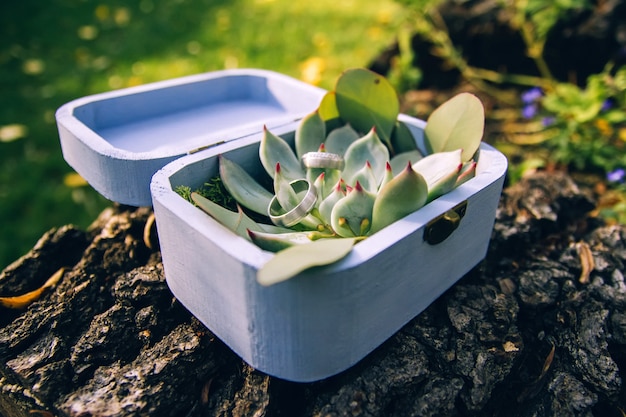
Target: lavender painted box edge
[(118, 139)]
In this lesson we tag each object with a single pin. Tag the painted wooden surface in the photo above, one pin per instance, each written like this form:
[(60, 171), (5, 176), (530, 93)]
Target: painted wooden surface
[(322, 321), (325, 320), (118, 140)]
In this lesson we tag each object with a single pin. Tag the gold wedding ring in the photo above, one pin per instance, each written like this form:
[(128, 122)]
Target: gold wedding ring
[(299, 212), (322, 160)]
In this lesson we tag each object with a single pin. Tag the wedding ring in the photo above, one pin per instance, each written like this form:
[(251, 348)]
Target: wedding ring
[(322, 160), (299, 212)]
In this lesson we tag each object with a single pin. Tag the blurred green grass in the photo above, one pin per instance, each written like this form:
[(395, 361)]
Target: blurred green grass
[(54, 51)]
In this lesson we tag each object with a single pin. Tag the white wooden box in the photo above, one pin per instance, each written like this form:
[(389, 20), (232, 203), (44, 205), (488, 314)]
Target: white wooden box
[(119, 139), (324, 320)]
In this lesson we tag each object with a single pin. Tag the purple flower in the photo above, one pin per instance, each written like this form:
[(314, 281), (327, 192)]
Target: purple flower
[(529, 111), (607, 105), (616, 175), (532, 95), (548, 121)]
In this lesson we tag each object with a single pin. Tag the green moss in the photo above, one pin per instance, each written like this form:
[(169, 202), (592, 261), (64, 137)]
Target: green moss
[(213, 189)]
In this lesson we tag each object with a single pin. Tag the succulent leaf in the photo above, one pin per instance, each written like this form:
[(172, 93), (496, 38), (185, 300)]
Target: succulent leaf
[(353, 213), (326, 206), (311, 222), (285, 194), (238, 222), (456, 124), (368, 148), (272, 228), (445, 184), (399, 161), (275, 242), (320, 185), (440, 170), (274, 149), (404, 194), (372, 198), (244, 189), (365, 176), (468, 171), (340, 138), (437, 167), (402, 139), (328, 107), (388, 175), (291, 261), (365, 99), (310, 134), (331, 176)]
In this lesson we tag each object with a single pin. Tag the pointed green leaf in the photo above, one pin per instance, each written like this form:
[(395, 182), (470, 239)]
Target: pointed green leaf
[(440, 170), (274, 149), (456, 124), (402, 139), (368, 148), (398, 162), (366, 99), (310, 134), (445, 185), (310, 222), (467, 173), (388, 175), (338, 140), (244, 189), (271, 228), (293, 260), (326, 206), (285, 194), (331, 176), (274, 242), (320, 185), (352, 215), (401, 196), (365, 176), (237, 222)]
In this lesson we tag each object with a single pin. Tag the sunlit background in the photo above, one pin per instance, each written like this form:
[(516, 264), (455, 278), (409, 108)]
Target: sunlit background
[(547, 108), (54, 51)]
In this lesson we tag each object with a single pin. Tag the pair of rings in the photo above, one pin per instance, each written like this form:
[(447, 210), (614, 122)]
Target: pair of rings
[(299, 212), (322, 160)]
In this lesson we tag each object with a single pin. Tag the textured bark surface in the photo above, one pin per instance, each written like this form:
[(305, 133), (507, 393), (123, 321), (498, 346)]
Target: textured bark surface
[(538, 328)]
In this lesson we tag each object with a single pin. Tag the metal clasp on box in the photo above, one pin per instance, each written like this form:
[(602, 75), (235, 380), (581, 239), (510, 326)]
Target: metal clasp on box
[(438, 229)]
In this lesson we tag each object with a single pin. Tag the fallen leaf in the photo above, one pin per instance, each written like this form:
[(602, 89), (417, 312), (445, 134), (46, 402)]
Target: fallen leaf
[(22, 301)]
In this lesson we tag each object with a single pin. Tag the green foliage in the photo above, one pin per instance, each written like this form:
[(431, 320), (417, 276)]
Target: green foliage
[(235, 182), (365, 100), (404, 75), (59, 50), (184, 191), (298, 258), (586, 127), (458, 124), (345, 194), (579, 127), (543, 15), (213, 190)]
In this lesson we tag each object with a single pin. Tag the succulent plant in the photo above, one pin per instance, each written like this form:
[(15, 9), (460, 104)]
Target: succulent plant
[(353, 170)]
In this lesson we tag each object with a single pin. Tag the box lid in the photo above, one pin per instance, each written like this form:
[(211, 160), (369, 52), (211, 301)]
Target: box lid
[(119, 139)]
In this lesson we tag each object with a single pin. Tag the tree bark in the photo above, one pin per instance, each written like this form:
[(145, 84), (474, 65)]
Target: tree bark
[(536, 329)]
